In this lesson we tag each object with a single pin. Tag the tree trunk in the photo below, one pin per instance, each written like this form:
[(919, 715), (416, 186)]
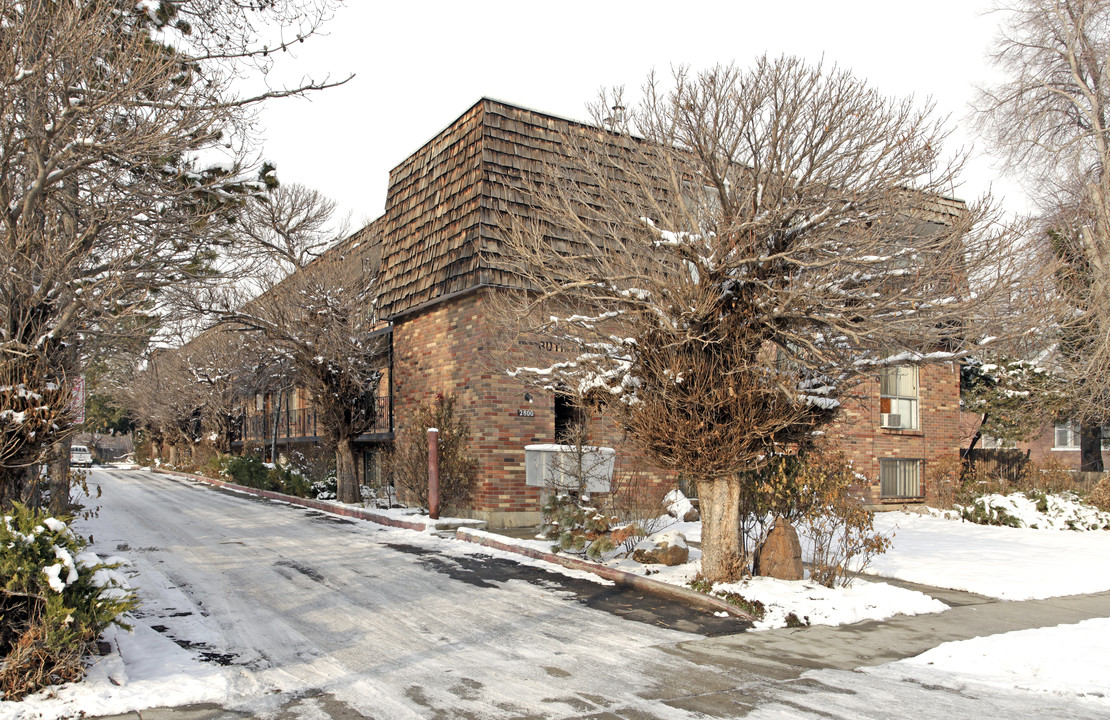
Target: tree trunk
[(16, 485), (721, 557), (58, 478), (966, 452), (1090, 447), (277, 421), (346, 481)]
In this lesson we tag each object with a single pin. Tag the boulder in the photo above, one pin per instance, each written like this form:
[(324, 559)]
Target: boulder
[(677, 505), (692, 515), (668, 548), (780, 555)]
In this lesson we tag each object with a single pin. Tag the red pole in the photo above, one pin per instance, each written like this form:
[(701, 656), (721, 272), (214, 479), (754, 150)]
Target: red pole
[(433, 473)]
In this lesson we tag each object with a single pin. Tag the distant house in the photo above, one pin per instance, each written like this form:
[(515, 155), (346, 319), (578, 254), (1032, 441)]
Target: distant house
[(1056, 442), (437, 241)]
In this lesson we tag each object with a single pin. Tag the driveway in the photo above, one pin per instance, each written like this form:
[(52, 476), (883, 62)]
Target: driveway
[(319, 616)]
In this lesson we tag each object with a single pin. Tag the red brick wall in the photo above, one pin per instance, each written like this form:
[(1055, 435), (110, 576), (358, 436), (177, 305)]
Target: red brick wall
[(444, 349), (937, 437), (1042, 448)]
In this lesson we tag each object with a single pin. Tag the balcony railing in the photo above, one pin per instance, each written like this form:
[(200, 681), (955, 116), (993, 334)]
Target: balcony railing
[(302, 424)]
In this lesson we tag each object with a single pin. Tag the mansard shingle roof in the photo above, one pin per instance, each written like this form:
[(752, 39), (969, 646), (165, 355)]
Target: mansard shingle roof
[(445, 200)]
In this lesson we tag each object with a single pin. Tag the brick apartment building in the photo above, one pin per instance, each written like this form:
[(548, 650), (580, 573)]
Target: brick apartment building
[(438, 246)]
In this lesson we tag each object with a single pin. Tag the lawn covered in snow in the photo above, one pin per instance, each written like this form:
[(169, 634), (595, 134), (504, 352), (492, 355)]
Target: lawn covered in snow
[(1064, 660), (1001, 562)]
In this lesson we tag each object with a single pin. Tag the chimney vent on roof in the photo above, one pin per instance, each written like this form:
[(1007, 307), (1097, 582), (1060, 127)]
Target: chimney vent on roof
[(616, 120)]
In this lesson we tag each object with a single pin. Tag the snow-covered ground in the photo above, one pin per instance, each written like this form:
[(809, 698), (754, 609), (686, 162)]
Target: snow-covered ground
[(939, 550), (1061, 660), (1000, 562), (809, 601), (1064, 664)]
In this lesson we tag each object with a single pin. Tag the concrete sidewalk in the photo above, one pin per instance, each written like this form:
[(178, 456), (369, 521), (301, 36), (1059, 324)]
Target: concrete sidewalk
[(876, 642)]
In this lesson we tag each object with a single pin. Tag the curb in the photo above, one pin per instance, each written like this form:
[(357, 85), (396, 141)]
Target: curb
[(346, 510), (656, 587), (481, 537)]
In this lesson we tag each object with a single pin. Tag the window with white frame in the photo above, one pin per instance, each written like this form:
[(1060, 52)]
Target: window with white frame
[(1067, 435), (898, 397), (900, 478), (1069, 432)]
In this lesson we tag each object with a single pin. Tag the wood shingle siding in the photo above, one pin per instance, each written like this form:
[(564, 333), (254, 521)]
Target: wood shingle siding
[(447, 201)]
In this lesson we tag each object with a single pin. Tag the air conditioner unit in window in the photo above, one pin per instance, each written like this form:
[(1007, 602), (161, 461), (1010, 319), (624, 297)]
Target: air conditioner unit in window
[(890, 420), (555, 466)]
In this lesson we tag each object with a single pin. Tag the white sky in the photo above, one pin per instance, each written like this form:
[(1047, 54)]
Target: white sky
[(419, 65)]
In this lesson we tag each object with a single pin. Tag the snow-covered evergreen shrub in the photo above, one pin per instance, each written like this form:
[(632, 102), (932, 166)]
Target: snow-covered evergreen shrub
[(1036, 509), (317, 465), (756, 609), (249, 471), (580, 529), (289, 480), (325, 489), (981, 512), (56, 599)]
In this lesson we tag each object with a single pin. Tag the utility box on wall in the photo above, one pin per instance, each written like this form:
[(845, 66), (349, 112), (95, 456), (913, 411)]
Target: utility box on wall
[(559, 466)]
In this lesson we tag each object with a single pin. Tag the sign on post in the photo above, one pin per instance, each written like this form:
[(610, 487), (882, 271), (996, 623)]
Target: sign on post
[(77, 401)]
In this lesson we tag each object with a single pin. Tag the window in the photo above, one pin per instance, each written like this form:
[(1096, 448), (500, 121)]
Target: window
[(1068, 434), (900, 478), (898, 397)]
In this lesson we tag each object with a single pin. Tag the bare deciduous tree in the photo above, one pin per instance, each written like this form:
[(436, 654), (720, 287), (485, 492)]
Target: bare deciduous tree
[(1050, 122), (729, 258), (318, 323), (105, 109), (283, 230), (321, 321)]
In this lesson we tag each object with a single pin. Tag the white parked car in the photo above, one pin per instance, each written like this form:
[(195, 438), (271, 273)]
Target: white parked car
[(79, 455)]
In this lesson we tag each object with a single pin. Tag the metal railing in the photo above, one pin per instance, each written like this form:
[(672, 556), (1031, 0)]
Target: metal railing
[(303, 423)]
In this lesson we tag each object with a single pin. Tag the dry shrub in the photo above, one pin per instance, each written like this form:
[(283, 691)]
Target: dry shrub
[(838, 524), (636, 502), (1100, 495), (1050, 475), (39, 659), (982, 479), (814, 492), (407, 463), (944, 482)]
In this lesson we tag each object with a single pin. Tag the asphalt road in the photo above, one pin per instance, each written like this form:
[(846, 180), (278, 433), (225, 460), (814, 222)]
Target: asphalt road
[(321, 616)]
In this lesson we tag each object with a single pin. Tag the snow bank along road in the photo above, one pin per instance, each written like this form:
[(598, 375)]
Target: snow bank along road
[(390, 623)]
